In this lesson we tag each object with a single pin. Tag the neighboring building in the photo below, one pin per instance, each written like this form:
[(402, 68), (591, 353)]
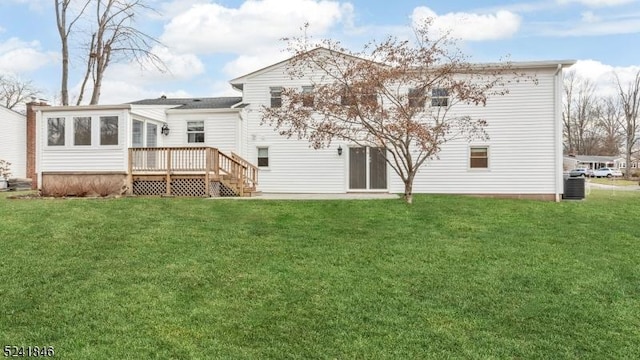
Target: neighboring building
[(13, 141), (592, 162), (522, 158)]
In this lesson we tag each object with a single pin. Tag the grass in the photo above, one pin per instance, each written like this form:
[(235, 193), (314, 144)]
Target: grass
[(611, 181), (449, 276)]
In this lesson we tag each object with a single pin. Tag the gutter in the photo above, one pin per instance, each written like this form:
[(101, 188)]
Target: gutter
[(557, 96)]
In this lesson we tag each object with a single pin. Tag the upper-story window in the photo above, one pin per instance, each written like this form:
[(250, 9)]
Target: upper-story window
[(416, 98), (307, 96), (276, 96), (347, 97), (55, 131), (195, 131), (108, 130), (439, 97)]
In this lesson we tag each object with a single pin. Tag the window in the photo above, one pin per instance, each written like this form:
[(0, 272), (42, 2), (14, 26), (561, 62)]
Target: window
[(263, 157), (307, 96), (347, 98), (439, 97), (369, 99), (276, 97), (55, 131), (108, 130), (136, 134), (195, 132), (479, 157), (416, 98), (82, 131)]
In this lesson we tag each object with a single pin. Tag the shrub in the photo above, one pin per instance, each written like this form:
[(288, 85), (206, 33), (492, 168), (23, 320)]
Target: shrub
[(5, 168)]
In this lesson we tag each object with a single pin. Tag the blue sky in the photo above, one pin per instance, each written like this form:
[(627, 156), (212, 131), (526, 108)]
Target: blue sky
[(206, 43)]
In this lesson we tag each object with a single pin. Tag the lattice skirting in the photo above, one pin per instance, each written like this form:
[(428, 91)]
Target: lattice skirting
[(180, 187)]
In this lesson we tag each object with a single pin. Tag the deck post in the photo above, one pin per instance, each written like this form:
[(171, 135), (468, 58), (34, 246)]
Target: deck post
[(241, 181), (207, 169), (216, 162), (168, 177), (130, 173)]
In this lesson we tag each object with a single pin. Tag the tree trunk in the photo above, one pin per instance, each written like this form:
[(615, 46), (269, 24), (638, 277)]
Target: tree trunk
[(408, 191), (64, 91)]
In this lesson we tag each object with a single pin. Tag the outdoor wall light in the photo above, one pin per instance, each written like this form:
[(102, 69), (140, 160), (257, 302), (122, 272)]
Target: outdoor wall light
[(165, 130), (339, 150)]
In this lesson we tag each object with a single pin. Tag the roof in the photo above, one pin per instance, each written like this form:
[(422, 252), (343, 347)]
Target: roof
[(11, 111), (239, 81), (593, 158), (226, 102)]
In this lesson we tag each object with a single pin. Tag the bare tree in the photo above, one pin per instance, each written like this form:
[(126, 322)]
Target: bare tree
[(14, 91), (398, 99), (64, 30), (630, 103), (579, 115), (111, 36), (117, 39), (608, 126)]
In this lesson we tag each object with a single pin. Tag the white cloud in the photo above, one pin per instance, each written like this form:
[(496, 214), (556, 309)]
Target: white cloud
[(123, 91), (592, 25), (602, 75), (470, 26), (245, 64), (256, 24), (180, 67), (589, 17), (597, 3), (17, 56)]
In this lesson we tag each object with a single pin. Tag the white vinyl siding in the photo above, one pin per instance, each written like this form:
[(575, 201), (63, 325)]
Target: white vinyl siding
[(293, 165), (521, 141), (521, 147), (94, 157), (13, 141), (220, 128)]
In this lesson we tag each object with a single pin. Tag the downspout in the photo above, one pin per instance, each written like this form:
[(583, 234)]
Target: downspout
[(557, 95)]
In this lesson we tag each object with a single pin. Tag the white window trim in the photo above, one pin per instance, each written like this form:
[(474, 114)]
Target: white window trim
[(267, 168), (488, 168), (204, 132), (69, 132), (432, 98)]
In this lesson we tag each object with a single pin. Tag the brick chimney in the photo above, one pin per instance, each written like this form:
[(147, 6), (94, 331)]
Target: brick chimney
[(31, 143)]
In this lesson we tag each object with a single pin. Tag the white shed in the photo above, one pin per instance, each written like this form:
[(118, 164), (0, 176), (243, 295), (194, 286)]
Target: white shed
[(13, 141)]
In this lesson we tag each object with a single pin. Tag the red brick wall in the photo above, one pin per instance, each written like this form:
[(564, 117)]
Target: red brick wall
[(31, 143)]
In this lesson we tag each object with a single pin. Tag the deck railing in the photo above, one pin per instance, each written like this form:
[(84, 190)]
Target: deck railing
[(206, 161), (251, 170)]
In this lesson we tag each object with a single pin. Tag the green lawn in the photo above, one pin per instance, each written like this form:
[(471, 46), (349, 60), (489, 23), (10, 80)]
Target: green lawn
[(448, 277), (612, 181)]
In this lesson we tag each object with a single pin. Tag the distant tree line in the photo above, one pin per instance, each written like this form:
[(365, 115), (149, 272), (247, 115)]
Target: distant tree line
[(601, 125)]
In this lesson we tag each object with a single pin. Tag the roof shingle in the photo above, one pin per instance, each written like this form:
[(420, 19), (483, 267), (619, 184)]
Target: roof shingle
[(193, 103)]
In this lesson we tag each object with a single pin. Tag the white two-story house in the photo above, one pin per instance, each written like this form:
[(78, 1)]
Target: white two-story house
[(210, 146)]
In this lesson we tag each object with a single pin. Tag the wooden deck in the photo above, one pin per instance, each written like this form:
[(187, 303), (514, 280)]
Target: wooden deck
[(189, 171)]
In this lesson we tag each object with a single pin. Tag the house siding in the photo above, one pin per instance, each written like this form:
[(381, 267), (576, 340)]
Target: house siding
[(521, 147), (221, 130), (293, 165), (94, 158), (13, 141), (522, 143)]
